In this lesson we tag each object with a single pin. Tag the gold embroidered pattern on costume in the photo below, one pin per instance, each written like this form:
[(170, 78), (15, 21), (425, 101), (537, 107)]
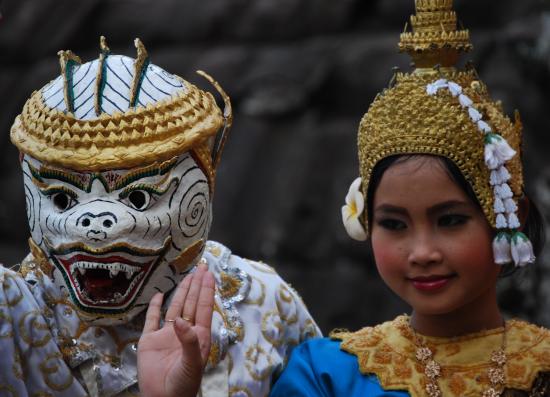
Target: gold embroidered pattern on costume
[(388, 351)]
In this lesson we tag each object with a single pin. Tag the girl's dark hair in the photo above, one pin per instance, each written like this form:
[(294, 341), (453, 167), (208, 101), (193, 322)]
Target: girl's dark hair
[(534, 224)]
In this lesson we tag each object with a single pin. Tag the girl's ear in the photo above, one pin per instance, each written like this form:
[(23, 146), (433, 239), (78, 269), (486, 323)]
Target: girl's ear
[(523, 210)]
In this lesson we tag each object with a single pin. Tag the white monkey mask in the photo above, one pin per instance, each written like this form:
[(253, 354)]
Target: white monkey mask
[(118, 173)]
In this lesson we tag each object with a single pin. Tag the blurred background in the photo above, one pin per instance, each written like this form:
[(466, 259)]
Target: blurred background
[(301, 73)]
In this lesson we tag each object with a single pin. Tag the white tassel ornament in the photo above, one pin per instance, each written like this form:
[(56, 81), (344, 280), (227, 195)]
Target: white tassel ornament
[(501, 249), (522, 250), (497, 151)]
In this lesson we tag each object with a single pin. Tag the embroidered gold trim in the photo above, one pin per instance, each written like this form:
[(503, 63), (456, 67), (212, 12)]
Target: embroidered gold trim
[(388, 351)]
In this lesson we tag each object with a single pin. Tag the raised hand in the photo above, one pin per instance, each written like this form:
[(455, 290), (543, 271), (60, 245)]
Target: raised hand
[(171, 359)]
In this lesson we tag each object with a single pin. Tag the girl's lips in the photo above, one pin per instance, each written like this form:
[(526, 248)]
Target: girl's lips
[(431, 283)]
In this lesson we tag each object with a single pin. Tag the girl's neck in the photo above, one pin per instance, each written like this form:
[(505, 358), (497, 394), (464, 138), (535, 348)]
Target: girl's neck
[(479, 315)]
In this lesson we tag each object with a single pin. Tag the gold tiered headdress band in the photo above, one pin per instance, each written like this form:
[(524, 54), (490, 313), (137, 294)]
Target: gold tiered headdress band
[(185, 119)]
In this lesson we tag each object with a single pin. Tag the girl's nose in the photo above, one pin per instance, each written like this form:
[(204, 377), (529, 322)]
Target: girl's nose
[(425, 251)]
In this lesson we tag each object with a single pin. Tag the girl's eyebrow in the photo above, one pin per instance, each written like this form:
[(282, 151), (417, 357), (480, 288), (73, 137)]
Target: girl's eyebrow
[(391, 209), (448, 205), (440, 207)]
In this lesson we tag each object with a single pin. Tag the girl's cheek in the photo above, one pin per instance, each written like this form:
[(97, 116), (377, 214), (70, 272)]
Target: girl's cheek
[(386, 255)]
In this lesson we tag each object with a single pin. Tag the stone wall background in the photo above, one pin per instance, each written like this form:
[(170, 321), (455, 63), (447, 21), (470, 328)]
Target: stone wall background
[(301, 73)]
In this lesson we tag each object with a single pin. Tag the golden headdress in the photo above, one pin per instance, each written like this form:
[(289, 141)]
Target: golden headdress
[(440, 110), (121, 131)]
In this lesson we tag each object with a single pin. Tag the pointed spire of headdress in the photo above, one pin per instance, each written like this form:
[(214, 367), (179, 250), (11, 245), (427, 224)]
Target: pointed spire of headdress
[(100, 79), (140, 67), (67, 60), (435, 38)]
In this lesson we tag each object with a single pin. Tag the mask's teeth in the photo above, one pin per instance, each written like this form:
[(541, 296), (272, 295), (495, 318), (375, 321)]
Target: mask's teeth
[(128, 271), (81, 270), (113, 272), (117, 296)]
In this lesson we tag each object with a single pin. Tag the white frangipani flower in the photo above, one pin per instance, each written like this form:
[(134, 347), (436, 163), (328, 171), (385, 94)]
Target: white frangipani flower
[(522, 250), (501, 249), (353, 210)]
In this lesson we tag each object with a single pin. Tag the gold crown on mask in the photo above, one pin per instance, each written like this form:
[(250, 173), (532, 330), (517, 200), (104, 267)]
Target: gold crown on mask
[(404, 119), (188, 120)]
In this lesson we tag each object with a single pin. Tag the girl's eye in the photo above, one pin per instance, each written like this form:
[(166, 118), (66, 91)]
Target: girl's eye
[(139, 199), (452, 220), (62, 201), (392, 224)]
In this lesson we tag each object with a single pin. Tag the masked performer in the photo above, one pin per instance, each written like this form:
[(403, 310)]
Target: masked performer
[(119, 159), (441, 199)]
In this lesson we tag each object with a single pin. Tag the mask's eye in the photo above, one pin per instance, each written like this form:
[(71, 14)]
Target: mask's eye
[(139, 199), (62, 201)]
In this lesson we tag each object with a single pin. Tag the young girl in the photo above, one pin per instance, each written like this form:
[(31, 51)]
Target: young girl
[(441, 201)]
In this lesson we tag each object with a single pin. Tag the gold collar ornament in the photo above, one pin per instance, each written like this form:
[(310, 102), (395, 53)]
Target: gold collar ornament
[(440, 110), (467, 366), (432, 369)]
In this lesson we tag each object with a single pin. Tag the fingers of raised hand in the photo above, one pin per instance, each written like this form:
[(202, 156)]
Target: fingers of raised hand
[(192, 298), (176, 305), (152, 316), (205, 302), (203, 315)]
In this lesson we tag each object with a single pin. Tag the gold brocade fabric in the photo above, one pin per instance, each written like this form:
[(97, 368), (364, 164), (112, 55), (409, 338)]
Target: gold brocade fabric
[(388, 351)]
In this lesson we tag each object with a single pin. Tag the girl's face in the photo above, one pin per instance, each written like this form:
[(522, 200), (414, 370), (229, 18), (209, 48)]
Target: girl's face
[(431, 243)]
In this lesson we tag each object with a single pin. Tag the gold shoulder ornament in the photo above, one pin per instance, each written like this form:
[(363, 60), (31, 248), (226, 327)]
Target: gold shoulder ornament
[(389, 351)]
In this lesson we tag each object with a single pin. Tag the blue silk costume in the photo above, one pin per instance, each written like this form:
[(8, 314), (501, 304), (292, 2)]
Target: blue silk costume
[(319, 368)]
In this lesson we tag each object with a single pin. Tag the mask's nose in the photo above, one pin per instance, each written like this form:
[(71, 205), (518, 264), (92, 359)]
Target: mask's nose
[(96, 227)]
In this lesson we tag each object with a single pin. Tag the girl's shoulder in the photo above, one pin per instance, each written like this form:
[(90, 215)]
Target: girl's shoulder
[(319, 367)]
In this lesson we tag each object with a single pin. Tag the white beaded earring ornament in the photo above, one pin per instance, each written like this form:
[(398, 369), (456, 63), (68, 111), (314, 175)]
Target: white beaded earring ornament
[(509, 245)]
